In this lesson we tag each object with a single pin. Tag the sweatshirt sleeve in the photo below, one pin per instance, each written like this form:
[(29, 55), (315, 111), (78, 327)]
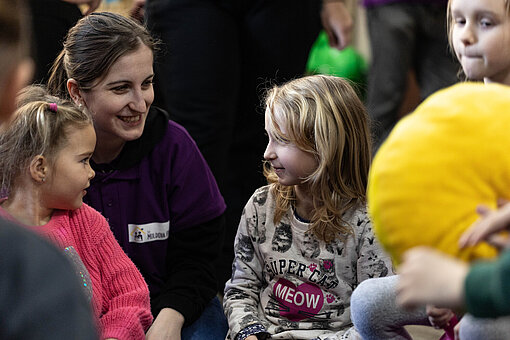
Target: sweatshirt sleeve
[(126, 307), (241, 298), (487, 288), (372, 260)]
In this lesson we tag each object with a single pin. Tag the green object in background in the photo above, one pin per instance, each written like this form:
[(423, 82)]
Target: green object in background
[(347, 63)]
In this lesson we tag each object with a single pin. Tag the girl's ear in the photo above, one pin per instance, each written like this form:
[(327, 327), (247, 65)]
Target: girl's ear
[(39, 168), (74, 91)]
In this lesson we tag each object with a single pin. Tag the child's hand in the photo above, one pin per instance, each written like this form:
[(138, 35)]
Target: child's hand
[(439, 317), (428, 276), (487, 227)]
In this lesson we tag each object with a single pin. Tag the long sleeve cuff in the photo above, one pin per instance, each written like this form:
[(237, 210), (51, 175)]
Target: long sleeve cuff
[(257, 329), (486, 288)]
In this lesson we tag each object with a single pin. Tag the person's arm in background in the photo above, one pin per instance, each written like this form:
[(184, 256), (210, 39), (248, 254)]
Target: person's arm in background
[(337, 22)]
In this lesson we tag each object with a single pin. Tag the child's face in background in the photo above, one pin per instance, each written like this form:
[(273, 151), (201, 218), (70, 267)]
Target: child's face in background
[(289, 162), (70, 173), (481, 39), (120, 102)]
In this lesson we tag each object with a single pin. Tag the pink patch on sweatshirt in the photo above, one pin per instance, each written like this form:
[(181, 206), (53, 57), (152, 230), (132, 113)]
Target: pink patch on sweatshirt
[(298, 303)]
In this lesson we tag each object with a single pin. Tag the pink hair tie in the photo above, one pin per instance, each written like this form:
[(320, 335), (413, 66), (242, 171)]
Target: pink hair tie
[(53, 107)]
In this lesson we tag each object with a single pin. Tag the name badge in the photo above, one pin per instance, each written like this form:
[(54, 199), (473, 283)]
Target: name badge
[(143, 233)]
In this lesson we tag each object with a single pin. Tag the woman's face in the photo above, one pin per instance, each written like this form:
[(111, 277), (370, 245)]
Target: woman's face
[(119, 103)]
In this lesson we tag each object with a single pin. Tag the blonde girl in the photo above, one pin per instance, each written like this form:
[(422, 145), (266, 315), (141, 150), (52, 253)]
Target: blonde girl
[(45, 171), (479, 34), (305, 241)]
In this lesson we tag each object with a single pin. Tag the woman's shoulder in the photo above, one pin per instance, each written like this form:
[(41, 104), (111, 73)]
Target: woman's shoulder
[(159, 120), (175, 139), (177, 134)]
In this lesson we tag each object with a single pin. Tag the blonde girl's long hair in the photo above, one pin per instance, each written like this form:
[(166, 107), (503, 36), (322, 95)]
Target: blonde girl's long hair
[(39, 127), (324, 116)]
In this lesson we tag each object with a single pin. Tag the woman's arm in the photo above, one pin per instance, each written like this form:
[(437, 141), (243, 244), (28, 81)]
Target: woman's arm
[(191, 282)]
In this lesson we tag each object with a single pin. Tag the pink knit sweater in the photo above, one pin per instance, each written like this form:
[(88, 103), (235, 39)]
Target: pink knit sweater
[(120, 296)]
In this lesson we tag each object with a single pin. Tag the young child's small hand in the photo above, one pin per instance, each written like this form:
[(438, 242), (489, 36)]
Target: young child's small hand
[(439, 317), (488, 226), (428, 276)]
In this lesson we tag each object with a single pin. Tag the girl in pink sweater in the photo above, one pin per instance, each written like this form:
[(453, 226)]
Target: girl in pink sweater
[(44, 167)]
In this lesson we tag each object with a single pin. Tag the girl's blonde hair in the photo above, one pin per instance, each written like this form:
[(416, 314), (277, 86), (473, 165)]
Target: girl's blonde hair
[(39, 127), (324, 116)]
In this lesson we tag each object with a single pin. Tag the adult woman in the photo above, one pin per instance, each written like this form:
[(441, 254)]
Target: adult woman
[(152, 184)]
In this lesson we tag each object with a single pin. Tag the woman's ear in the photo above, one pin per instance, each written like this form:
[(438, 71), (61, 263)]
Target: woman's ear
[(74, 91), (39, 168)]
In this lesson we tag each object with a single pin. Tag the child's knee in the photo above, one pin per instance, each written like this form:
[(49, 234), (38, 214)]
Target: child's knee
[(368, 301)]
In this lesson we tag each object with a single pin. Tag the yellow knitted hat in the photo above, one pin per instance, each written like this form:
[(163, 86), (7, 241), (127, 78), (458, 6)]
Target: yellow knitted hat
[(450, 155)]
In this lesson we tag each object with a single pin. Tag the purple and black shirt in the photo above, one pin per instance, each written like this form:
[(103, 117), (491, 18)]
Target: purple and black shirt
[(165, 209)]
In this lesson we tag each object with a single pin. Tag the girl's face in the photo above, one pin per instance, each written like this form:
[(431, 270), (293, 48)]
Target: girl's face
[(70, 173), (289, 162), (481, 39), (119, 103)]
